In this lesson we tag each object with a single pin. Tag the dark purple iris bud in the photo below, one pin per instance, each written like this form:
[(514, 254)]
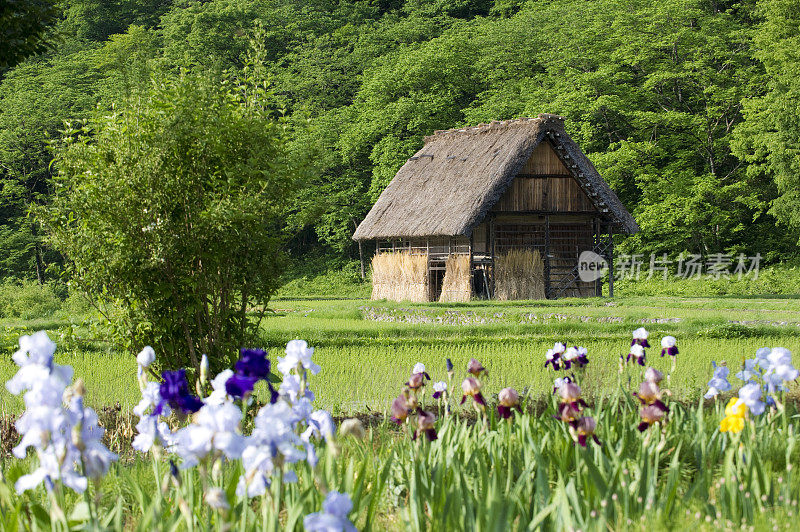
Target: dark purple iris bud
[(173, 470), (449, 364), (253, 363), (175, 392)]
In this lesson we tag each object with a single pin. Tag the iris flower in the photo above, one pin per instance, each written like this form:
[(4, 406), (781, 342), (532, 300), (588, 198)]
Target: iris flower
[(174, 391), (637, 353), (735, 412), (475, 368), (416, 381), (568, 413), (584, 428), (668, 346), (653, 375), (559, 382), (640, 337), (438, 389), (333, 516), (400, 409), (419, 369), (650, 414), (425, 425), (750, 394), (571, 394), (719, 381), (508, 400), (472, 388), (252, 366), (650, 394), (553, 358), (298, 355)]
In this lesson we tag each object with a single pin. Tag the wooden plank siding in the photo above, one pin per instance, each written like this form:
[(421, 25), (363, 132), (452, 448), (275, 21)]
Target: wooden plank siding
[(540, 187), (544, 161)]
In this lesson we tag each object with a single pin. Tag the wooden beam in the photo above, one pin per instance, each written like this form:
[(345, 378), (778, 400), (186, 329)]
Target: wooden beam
[(491, 232), (361, 259), (611, 261), (547, 257), (471, 242), (543, 213)]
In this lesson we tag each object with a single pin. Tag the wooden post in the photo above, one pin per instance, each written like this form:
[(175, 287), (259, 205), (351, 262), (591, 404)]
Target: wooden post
[(492, 235), (547, 256), (471, 241), (361, 258), (598, 283), (611, 261)]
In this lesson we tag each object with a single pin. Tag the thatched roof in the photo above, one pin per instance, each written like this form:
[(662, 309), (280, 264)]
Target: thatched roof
[(450, 185)]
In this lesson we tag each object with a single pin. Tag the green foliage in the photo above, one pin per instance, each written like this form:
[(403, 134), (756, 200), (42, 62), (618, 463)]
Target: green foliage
[(767, 140), (172, 205), (686, 107), (28, 300), (24, 26), (316, 280)]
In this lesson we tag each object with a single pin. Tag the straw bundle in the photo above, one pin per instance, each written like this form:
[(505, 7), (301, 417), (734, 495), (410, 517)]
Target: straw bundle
[(400, 276), (456, 285), (519, 274)]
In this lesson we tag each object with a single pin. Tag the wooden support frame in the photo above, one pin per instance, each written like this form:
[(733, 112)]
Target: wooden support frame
[(547, 256), (471, 276), (493, 239), (611, 261), (598, 237)]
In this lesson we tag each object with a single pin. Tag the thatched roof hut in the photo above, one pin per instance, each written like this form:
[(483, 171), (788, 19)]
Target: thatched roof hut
[(473, 187)]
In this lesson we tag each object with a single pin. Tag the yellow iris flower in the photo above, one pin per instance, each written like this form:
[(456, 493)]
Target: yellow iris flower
[(735, 412)]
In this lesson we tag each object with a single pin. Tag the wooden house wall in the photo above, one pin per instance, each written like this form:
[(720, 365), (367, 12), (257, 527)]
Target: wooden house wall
[(541, 187)]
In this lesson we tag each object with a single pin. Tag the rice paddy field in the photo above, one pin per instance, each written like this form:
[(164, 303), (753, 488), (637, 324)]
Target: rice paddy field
[(367, 347), (463, 468)]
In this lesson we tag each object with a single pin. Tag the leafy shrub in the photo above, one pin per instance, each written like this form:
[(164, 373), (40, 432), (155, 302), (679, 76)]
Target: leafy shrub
[(171, 212), (28, 300)]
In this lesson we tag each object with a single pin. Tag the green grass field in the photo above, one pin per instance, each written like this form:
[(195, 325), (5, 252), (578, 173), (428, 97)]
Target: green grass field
[(368, 348)]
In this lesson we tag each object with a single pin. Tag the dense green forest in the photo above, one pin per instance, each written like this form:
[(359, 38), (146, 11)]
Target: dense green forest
[(689, 108)]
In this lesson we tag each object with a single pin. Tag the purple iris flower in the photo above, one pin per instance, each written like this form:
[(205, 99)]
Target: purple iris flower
[(553, 358), (253, 363), (252, 366), (175, 392), (449, 364), (640, 337), (668, 346), (238, 386)]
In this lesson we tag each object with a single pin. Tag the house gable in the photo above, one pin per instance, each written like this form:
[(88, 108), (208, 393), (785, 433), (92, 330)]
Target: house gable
[(544, 185)]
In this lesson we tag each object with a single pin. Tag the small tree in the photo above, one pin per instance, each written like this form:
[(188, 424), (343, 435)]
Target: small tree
[(171, 209)]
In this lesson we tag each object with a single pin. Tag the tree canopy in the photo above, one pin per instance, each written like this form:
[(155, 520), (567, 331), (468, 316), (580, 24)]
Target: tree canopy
[(687, 107)]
